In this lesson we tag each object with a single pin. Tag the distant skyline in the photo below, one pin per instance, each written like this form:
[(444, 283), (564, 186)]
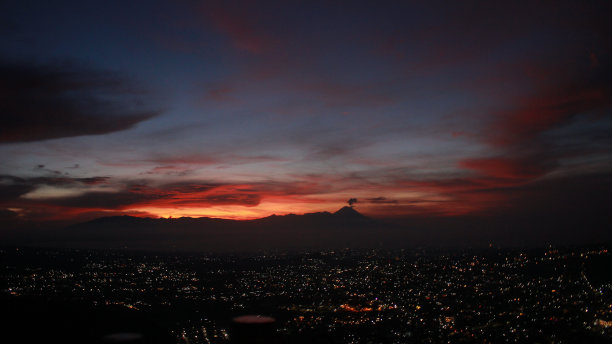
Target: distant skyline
[(473, 112)]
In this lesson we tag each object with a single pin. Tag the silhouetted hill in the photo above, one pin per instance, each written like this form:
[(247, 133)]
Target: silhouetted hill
[(344, 228), (350, 214), (343, 217)]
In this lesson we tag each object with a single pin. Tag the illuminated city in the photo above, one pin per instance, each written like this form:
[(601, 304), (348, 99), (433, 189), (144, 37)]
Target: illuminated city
[(341, 296)]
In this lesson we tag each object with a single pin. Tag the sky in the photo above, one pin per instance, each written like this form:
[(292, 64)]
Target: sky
[(243, 109)]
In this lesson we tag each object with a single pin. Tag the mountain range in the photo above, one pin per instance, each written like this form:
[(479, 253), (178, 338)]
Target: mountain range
[(343, 228), (322, 230)]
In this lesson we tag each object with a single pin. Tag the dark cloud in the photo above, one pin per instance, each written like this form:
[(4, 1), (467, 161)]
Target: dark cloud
[(123, 194), (12, 187), (48, 101), (104, 200), (190, 187), (566, 117), (246, 199), (352, 201), (211, 159), (169, 170), (12, 190), (170, 195), (382, 200), (52, 180), (510, 168), (93, 180), (554, 108)]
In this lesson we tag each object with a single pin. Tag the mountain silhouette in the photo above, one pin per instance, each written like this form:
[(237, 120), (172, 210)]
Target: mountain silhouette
[(344, 228), (350, 214)]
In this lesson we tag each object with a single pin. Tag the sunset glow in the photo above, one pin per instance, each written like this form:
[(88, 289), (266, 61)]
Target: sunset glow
[(245, 110)]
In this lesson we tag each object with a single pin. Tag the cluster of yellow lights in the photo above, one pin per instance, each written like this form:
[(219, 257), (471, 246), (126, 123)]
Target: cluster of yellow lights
[(350, 308), (603, 323)]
